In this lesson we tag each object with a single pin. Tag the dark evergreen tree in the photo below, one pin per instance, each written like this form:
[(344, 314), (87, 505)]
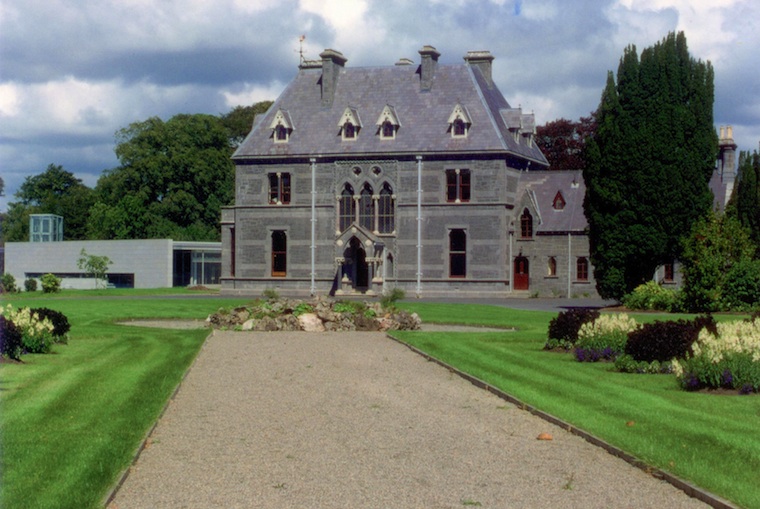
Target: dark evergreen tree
[(649, 164), (745, 200)]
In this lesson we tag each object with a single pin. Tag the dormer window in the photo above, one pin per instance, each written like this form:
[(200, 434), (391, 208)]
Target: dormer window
[(459, 122), (349, 131), (559, 201), (388, 123), (350, 124), (387, 131), (280, 133), (459, 128), (281, 126)]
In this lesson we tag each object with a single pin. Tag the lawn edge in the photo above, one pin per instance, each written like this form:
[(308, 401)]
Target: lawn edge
[(690, 489), (124, 475)]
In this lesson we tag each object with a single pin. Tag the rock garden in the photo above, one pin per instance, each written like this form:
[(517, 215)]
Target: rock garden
[(315, 315)]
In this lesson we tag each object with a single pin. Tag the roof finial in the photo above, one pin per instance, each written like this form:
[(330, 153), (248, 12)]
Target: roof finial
[(300, 48)]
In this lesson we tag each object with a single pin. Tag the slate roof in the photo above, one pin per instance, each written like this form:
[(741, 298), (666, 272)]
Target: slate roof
[(423, 114), (543, 186)]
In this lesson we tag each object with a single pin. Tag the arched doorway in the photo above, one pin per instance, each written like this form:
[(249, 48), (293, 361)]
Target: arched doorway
[(521, 273), (355, 265)]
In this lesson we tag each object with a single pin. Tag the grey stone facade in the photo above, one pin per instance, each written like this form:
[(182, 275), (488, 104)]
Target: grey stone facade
[(361, 180)]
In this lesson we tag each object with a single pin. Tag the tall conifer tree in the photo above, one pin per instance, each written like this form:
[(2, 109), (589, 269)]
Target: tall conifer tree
[(649, 164), (745, 201)]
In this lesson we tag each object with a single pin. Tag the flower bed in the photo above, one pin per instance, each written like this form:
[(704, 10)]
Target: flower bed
[(28, 330), (727, 359), (604, 338)]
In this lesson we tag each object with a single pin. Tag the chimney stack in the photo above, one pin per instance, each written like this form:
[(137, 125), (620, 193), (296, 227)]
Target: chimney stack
[(332, 63), (427, 68), (482, 60)]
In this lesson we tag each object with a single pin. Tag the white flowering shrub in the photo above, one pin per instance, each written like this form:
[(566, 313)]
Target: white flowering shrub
[(604, 338), (730, 359), (36, 334)]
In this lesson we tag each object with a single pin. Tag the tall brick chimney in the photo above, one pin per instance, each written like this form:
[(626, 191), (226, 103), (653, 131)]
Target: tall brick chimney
[(332, 63), (427, 68)]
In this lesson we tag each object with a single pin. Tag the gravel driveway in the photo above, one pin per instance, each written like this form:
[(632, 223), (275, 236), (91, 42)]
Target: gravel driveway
[(356, 420)]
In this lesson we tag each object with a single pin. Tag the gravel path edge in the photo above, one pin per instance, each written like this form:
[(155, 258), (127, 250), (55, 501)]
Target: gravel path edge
[(111, 494), (690, 489), (681, 484)]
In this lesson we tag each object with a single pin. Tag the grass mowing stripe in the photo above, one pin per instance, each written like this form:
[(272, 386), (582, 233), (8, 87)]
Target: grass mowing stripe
[(708, 439), (72, 421)]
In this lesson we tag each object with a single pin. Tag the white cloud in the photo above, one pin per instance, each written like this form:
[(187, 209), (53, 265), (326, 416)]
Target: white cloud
[(351, 26), (540, 11), (252, 93)]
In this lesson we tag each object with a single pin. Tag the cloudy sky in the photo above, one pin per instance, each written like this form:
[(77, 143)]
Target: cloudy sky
[(73, 72)]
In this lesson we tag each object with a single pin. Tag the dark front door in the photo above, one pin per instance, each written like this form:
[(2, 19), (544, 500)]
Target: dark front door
[(356, 267), (522, 273)]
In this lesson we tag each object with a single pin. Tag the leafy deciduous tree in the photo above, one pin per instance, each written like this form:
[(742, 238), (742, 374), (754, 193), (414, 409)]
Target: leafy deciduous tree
[(562, 142), (239, 120), (94, 266), (54, 191), (173, 180), (715, 246), (649, 163)]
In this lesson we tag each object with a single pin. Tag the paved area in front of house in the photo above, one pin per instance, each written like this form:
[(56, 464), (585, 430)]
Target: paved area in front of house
[(356, 420)]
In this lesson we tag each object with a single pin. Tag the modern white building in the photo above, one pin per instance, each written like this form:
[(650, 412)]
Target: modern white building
[(155, 263)]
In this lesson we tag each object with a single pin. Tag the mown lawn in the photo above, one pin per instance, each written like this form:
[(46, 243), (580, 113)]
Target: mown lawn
[(712, 440), (72, 420)]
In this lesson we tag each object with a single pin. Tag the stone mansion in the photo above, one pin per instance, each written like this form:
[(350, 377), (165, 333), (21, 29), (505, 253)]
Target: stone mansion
[(413, 176)]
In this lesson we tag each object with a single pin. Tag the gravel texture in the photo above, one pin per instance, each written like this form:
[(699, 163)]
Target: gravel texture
[(356, 420)]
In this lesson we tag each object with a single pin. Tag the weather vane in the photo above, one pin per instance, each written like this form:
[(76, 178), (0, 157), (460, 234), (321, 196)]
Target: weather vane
[(300, 47)]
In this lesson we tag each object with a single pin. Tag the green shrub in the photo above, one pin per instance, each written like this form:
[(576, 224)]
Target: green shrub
[(563, 329), (36, 332), (8, 283), (727, 357), (604, 338), (10, 339), (60, 322), (270, 294), (627, 364), (652, 296), (664, 341), (30, 285), (301, 308), (50, 283), (389, 300), (741, 289), (347, 306)]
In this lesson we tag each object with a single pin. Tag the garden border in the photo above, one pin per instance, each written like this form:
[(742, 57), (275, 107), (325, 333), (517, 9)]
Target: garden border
[(690, 489)]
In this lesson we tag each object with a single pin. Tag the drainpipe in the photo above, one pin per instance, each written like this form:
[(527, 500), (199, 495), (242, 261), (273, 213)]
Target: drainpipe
[(511, 263), (419, 226), (313, 161), (569, 267)]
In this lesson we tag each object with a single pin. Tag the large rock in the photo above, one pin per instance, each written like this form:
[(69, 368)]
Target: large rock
[(310, 322)]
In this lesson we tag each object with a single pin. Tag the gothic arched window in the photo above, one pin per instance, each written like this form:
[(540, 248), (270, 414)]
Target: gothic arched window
[(386, 222), (526, 225), (347, 207), (366, 208)]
